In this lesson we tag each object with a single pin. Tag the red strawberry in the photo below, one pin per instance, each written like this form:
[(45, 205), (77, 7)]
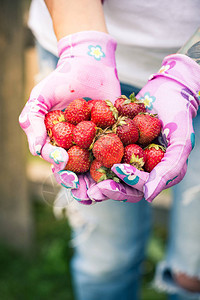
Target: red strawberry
[(126, 131), (53, 117), (103, 113), (84, 134), (62, 134), (149, 127), (79, 160), (154, 154), (91, 103), (134, 155), (129, 107), (78, 110), (99, 173), (108, 149)]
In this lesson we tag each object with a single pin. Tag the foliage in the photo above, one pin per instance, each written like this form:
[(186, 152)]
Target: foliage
[(45, 274)]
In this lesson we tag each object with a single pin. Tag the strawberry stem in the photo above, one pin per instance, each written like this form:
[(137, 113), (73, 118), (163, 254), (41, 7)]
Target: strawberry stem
[(156, 146)]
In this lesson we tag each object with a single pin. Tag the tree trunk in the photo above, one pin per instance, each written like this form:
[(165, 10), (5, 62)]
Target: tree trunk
[(16, 223)]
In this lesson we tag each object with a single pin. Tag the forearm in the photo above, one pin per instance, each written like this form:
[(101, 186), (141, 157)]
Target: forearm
[(192, 47), (71, 16)]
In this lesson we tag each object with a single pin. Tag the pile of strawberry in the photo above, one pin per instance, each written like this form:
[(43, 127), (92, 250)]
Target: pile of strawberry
[(97, 134)]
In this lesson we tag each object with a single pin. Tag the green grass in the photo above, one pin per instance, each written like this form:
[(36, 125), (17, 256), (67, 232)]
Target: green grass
[(46, 274)]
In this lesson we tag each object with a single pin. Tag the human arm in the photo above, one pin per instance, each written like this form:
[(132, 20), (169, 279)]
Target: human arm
[(69, 16), (86, 68), (49, 94)]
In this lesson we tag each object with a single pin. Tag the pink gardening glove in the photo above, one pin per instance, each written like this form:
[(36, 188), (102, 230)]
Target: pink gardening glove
[(172, 93), (86, 68), (119, 191), (131, 191)]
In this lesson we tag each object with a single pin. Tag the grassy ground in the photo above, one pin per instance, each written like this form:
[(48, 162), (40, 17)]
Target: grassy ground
[(46, 274)]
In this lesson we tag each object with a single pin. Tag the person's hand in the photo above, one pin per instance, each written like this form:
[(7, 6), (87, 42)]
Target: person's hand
[(86, 191), (129, 189), (110, 189), (77, 185), (172, 93), (86, 68)]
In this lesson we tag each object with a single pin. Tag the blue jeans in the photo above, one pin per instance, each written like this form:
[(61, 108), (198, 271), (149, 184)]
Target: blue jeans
[(110, 238)]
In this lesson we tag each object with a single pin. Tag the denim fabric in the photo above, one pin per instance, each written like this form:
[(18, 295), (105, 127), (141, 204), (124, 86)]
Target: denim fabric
[(107, 262), (127, 89), (110, 238), (183, 251)]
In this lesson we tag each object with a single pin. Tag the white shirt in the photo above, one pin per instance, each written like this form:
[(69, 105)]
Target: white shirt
[(146, 31)]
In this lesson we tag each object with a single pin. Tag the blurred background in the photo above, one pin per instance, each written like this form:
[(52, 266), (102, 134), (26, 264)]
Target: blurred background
[(35, 246)]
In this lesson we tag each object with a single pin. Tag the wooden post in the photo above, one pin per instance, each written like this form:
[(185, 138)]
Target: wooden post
[(16, 223)]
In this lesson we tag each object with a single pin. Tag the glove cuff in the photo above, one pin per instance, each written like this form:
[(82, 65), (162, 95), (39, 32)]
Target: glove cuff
[(92, 44), (183, 69)]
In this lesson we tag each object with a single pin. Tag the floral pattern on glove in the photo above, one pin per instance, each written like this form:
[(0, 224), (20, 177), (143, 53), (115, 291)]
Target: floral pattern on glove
[(56, 155), (68, 179), (148, 100), (189, 96), (192, 138), (167, 66), (170, 180), (198, 96), (129, 178), (96, 52), (167, 130), (131, 175)]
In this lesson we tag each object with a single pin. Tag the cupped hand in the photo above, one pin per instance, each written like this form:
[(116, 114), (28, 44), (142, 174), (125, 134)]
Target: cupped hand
[(173, 94), (86, 68)]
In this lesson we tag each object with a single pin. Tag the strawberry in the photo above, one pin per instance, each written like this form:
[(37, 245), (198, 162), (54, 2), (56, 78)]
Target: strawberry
[(154, 154), (126, 130), (129, 107), (103, 113), (79, 160), (53, 117), (78, 110), (91, 103), (108, 149), (149, 127), (134, 155), (99, 173), (84, 134), (62, 134)]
